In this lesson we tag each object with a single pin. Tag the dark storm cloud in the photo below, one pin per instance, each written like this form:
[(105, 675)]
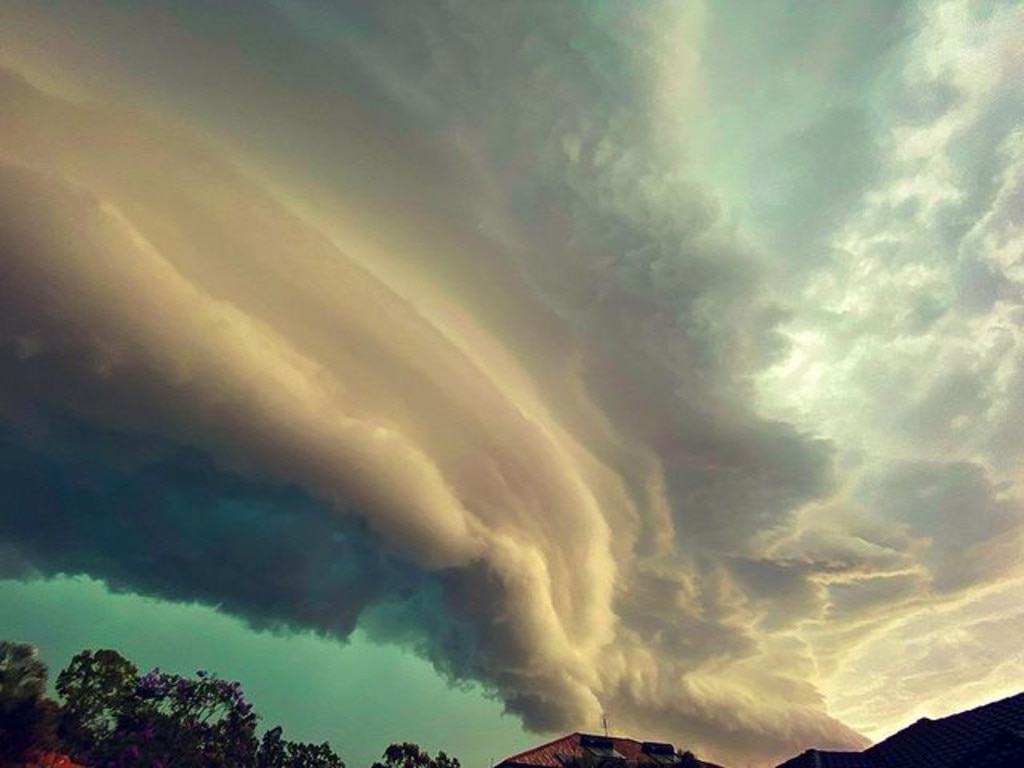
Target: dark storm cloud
[(163, 520)]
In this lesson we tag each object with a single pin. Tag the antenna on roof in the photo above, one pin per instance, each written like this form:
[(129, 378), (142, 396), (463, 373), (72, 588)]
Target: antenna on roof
[(604, 723)]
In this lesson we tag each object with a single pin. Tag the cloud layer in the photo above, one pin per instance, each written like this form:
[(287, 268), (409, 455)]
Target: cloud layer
[(618, 374)]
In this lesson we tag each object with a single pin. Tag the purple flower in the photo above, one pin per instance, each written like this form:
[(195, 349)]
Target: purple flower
[(152, 684)]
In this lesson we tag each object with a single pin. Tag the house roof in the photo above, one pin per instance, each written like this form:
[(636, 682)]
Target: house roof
[(816, 758), (944, 742), (555, 754), (1004, 751), (989, 736)]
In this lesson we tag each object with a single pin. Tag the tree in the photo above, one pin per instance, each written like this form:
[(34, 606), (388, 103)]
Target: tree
[(301, 755), (22, 672), (97, 688), (406, 755), (181, 721), (113, 716), (272, 750), (27, 718), (276, 752)]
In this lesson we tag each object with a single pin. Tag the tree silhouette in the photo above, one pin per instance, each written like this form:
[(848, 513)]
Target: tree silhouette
[(407, 755), (113, 716), (97, 688), (27, 718), (276, 752)]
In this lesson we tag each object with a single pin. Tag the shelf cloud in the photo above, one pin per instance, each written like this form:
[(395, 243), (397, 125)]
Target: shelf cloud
[(595, 365)]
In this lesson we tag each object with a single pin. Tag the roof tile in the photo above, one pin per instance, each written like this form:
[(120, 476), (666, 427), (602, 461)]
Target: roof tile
[(554, 754)]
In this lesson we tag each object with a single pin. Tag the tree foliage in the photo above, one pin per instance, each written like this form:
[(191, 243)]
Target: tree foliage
[(174, 720), (276, 752), (406, 755), (97, 688), (28, 720), (22, 672), (113, 717)]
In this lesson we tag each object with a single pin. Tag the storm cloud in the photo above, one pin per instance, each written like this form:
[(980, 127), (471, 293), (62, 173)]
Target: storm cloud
[(502, 333)]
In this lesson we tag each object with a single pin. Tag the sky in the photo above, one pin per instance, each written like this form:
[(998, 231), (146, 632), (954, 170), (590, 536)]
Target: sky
[(463, 372)]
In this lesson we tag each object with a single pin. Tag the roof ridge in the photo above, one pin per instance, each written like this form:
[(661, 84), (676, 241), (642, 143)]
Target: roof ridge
[(619, 738), (989, 705), (946, 721)]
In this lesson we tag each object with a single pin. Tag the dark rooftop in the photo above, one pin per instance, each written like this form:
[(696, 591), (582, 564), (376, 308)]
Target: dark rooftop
[(944, 742), (815, 758), (989, 736)]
